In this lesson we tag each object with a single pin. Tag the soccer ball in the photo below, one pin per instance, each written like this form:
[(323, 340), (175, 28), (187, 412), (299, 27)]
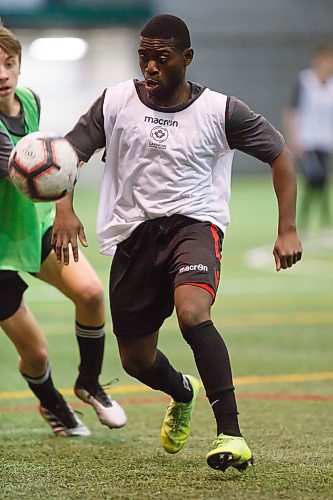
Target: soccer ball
[(43, 166)]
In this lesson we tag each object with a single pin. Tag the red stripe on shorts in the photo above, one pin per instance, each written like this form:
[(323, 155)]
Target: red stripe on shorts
[(201, 285), (216, 237)]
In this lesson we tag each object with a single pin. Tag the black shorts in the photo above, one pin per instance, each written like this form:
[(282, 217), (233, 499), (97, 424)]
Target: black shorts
[(12, 286), (160, 255), (315, 167)]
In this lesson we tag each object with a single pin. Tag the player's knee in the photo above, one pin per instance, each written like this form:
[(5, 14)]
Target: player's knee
[(190, 315), (91, 296), (36, 359), (134, 365)]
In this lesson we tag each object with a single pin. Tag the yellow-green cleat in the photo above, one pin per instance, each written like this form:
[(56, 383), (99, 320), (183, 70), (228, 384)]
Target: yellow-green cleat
[(229, 451), (176, 424)]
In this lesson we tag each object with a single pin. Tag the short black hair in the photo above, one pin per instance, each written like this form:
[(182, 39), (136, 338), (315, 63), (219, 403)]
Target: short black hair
[(323, 48), (168, 27)]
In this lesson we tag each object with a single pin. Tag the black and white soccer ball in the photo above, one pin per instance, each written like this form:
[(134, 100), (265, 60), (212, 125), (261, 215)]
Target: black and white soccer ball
[(43, 166)]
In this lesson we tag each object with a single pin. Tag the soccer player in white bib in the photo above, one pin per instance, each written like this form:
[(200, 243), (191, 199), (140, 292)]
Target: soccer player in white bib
[(169, 147), (25, 243), (309, 124)]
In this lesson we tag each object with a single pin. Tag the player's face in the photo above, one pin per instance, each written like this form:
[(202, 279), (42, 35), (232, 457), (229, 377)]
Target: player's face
[(9, 73), (163, 67), (325, 64)]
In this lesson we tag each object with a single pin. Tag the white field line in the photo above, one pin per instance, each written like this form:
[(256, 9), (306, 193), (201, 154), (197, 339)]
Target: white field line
[(259, 258), (317, 256), (262, 258)]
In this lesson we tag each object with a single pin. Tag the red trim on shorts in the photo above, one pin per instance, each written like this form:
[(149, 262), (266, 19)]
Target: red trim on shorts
[(217, 277), (201, 285), (216, 237)]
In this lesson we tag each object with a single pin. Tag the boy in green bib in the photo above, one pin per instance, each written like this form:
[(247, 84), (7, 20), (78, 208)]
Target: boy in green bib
[(25, 246)]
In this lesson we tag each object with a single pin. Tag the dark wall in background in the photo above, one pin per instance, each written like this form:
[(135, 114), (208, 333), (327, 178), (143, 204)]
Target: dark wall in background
[(253, 49), (87, 14)]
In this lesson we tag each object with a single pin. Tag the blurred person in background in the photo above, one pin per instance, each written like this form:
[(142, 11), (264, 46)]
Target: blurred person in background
[(309, 128), (25, 245), (169, 146)]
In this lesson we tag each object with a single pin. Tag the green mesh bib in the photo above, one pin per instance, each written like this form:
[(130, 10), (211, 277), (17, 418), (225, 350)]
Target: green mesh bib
[(22, 222)]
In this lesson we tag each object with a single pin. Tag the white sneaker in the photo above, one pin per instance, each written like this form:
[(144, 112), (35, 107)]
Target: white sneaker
[(64, 422), (109, 412)]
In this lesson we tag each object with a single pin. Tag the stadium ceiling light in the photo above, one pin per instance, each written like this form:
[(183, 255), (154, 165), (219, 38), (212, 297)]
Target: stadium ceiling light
[(58, 49)]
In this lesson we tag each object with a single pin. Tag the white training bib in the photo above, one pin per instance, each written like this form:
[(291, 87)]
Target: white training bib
[(162, 163)]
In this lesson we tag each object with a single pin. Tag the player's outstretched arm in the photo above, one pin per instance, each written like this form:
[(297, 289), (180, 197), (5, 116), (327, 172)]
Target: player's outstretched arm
[(287, 249), (67, 227)]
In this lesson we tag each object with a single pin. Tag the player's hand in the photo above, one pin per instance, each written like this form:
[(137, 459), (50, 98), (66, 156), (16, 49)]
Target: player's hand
[(287, 250), (66, 230)]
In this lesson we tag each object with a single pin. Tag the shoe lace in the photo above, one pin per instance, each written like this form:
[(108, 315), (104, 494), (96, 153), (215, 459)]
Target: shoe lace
[(221, 439), (98, 391), (78, 412), (65, 415), (107, 385), (177, 413)]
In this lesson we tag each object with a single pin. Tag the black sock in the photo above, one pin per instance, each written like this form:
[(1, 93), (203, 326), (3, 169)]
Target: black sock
[(163, 377), (225, 412), (44, 390), (213, 363), (91, 345)]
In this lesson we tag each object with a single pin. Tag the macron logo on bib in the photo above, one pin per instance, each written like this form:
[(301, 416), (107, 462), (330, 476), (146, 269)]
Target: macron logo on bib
[(193, 267), (161, 121)]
